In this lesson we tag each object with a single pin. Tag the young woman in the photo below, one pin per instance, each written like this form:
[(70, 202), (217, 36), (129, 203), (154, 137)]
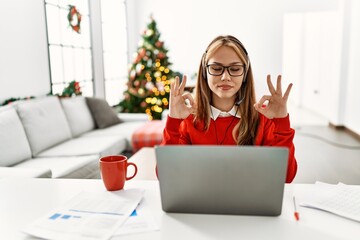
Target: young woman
[(224, 111)]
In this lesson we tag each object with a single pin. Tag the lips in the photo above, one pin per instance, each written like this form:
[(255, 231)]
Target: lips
[(225, 87)]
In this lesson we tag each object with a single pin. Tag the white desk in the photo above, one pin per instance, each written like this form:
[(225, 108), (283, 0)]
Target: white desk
[(24, 200)]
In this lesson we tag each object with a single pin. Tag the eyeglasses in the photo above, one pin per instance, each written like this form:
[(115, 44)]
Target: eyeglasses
[(233, 70)]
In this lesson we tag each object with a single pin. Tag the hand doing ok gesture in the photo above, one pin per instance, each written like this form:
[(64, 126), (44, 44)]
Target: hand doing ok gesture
[(181, 103), (276, 107)]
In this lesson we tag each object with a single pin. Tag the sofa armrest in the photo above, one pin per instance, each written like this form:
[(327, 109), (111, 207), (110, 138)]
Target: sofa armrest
[(133, 117)]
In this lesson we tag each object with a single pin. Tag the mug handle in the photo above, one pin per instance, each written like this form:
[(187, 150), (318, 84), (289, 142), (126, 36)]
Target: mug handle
[(133, 164)]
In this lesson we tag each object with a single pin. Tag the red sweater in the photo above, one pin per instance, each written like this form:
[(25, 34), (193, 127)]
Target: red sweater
[(271, 132)]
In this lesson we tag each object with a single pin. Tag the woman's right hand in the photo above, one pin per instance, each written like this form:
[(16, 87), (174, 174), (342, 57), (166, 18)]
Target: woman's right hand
[(179, 107)]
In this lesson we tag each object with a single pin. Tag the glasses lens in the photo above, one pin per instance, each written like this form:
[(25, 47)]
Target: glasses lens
[(236, 70), (215, 69)]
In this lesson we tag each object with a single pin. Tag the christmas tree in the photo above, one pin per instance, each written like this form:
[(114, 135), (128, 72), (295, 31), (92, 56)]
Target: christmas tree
[(149, 76)]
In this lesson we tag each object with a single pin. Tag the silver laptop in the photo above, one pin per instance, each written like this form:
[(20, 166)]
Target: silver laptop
[(244, 180)]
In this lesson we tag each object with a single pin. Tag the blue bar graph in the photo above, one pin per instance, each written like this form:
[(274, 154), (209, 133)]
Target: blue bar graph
[(55, 216), (62, 216)]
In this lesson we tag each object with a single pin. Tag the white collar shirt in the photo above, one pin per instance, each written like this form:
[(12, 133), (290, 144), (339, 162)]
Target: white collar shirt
[(215, 113)]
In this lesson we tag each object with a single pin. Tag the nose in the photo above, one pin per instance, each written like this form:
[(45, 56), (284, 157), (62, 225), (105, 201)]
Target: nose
[(225, 76)]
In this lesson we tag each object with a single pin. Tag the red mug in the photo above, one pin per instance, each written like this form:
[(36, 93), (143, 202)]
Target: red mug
[(113, 171)]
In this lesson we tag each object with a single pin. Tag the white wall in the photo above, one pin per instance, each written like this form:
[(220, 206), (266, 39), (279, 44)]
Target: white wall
[(24, 65)]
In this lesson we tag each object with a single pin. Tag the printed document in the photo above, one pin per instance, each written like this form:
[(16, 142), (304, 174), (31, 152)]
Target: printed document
[(340, 199), (87, 216), (139, 221)]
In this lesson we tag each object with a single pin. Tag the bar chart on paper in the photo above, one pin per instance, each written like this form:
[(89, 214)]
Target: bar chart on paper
[(87, 216), (59, 216)]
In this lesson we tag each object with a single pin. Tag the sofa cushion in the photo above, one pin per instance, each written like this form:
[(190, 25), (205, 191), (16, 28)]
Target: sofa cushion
[(78, 115), (44, 122), (102, 113), (14, 146), (67, 167), (125, 129), (100, 146), (17, 172)]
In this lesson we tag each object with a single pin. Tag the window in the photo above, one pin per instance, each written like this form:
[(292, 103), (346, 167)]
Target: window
[(114, 33), (69, 52)]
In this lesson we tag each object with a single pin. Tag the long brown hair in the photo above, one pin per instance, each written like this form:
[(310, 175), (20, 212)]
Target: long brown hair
[(244, 132)]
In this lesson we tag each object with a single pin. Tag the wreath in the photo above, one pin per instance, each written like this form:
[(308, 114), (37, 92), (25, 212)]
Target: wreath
[(74, 18)]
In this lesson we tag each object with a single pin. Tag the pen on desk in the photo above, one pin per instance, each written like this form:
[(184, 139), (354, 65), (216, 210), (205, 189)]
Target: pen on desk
[(296, 213)]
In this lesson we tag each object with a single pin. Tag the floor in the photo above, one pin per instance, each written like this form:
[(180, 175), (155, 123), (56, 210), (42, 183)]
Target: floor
[(322, 152)]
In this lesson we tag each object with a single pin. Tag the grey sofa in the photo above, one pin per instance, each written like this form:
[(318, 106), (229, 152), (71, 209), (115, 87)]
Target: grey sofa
[(59, 138)]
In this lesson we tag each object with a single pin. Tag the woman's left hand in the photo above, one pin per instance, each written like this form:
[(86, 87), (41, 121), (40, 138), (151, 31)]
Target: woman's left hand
[(276, 107)]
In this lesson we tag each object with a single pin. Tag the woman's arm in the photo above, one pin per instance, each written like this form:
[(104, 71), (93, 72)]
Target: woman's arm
[(174, 132), (277, 132)]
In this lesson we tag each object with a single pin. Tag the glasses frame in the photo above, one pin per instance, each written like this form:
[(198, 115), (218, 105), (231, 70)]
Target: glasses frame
[(227, 68)]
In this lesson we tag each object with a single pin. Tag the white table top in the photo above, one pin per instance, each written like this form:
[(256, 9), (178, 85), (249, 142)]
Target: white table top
[(24, 200)]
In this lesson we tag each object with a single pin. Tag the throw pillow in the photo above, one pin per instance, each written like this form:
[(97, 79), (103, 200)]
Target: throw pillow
[(102, 113), (78, 115)]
